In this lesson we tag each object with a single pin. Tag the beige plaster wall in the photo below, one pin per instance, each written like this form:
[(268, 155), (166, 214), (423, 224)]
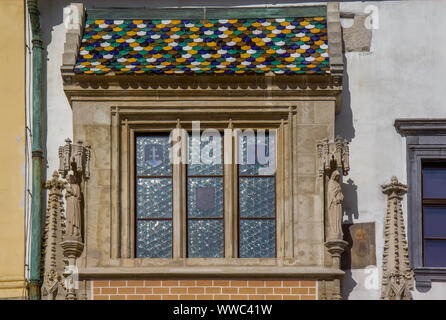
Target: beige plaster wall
[(12, 157)]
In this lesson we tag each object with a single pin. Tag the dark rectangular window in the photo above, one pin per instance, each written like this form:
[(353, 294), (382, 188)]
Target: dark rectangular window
[(257, 196), (434, 213), (205, 209), (153, 196)]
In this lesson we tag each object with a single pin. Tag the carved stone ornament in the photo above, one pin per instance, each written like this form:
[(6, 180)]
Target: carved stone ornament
[(53, 285), (397, 281), (74, 166), (333, 155)]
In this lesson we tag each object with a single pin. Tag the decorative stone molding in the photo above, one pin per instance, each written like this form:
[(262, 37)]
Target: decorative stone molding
[(73, 19), (53, 286), (334, 34), (397, 276)]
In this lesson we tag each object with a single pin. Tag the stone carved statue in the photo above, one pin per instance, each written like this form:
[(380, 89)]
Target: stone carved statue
[(73, 212), (334, 212)]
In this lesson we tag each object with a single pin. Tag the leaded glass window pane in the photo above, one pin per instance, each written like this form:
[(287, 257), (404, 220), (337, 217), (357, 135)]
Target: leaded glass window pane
[(153, 155), (257, 153), (205, 156), (205, 198), (257, 238), (153, 196), (154, 239), (205, 238), (257, 195)]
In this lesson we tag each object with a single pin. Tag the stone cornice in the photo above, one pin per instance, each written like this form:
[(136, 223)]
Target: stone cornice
[(416, 127)]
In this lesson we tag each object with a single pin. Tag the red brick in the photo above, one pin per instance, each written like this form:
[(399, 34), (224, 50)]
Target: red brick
[(221, 283), (256, 297), (307, 297), (161, 290), (187, 283), (204, 297), (247, 290), (213, 290), (299, 290), (253, 283), (126, 290), (282, 290), (144, 290), (135, 297), (291, 283), (109, 290), (292, 297), (229, 290), (116, 297), (169, 297), (100, 298), (178, 290), (204, 283), (272, 283), (169, 283), (273, 297), (152, 283), (98, 284), (221, 297), (187, 297), (116, 283), (264, 290), (239, 283), (195, 290), (152, 297), (135, 283), (239, 297), (308, 283)]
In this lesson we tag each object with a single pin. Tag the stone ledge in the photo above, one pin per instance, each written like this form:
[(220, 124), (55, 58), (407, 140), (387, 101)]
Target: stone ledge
[(210, 272)]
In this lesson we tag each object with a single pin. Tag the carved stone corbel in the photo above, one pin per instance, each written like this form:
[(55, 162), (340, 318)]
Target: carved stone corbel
[(397, 281), (53, 285), (73, 166)]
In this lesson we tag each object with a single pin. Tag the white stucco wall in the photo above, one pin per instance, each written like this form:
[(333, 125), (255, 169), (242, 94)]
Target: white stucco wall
[(402, 77)]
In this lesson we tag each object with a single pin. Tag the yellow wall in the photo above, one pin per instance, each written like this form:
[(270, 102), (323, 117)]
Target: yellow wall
[(12, 144)]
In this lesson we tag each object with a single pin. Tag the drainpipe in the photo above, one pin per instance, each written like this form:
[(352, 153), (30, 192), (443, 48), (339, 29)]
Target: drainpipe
[(37, 154)]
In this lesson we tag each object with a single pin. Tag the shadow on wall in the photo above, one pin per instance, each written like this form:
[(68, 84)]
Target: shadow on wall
[(344, 120), (350, 208)]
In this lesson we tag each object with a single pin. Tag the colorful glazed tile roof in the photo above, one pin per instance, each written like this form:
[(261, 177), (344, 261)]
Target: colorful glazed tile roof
[(213, 46)]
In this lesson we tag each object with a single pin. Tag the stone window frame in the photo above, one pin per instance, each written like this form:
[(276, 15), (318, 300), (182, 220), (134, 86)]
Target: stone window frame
[(425, 140), (127, 122)]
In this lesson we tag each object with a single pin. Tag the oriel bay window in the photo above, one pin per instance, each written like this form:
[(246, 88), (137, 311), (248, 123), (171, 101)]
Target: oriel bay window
[(204, 214)]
